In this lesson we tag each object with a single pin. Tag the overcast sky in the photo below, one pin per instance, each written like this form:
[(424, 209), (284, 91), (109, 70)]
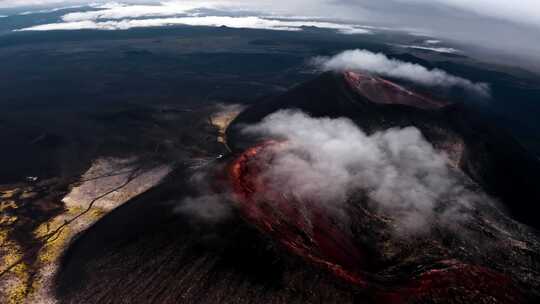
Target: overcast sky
[(526, 12), (511, 26)]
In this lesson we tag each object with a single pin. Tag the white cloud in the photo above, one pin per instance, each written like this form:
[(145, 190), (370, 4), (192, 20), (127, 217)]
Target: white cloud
[(81, 25), (113, 16), (206, 205), (207, 208), (354, 31), (378, 63), (325, 161), (233, 22), (117, 16), (447, 50), (172, 7), (122, 11), (519, 12), (50, 10), (37, 3)]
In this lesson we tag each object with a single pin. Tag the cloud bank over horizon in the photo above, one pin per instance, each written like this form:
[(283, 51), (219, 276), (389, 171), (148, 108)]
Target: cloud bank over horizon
[(479, 24), (249, 22), (519, 12), (118, 16), (380, 64)]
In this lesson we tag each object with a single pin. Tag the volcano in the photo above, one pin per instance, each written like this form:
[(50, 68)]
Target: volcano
[(434, 268), (277, 246), (300, 226), (484, 151), (306, 230)]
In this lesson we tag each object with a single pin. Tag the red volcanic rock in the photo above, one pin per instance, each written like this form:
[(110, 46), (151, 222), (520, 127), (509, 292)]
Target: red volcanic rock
[(456, 282), (493, 258), (379, 90), (305, 230)]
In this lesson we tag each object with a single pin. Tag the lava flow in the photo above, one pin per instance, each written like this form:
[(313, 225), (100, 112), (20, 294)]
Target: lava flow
[(379, 90), (304, 229), (300, 226)]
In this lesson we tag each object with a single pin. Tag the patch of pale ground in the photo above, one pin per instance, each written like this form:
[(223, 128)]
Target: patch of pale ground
[(223, 118), (109, 183)]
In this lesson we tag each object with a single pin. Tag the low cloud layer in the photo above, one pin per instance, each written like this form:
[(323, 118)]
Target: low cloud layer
[(123, 11), (327, 160), (478, 25), (118, 16), (380, 64), (446, 50), (522, 12), (206, 206), (232, 22)]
